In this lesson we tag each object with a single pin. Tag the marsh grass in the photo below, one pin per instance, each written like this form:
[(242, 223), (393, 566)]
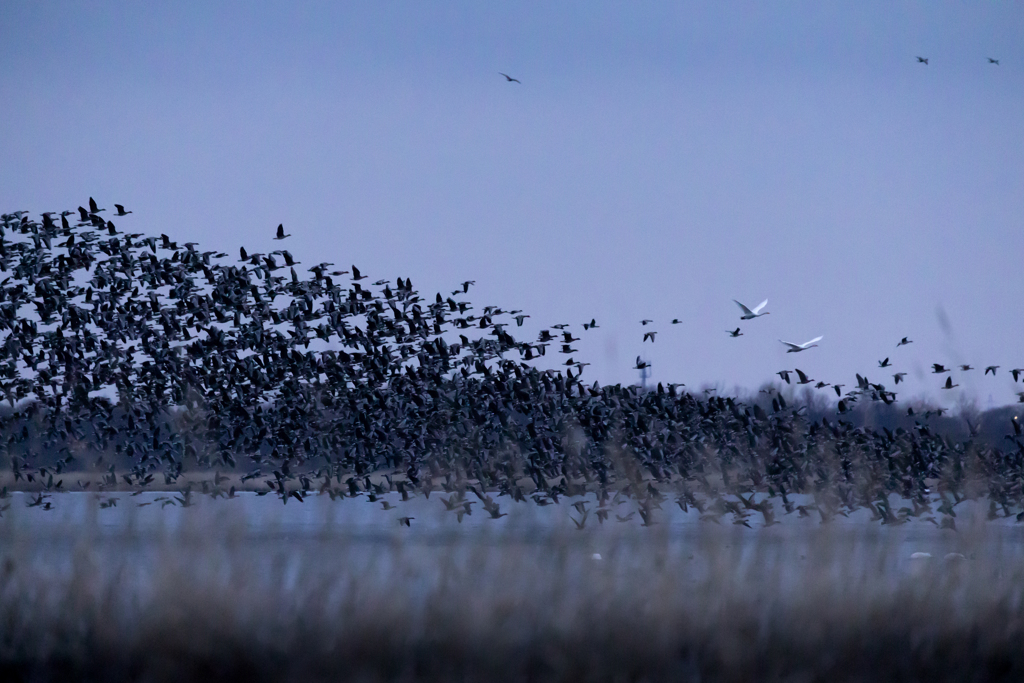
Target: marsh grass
[(521, 605)]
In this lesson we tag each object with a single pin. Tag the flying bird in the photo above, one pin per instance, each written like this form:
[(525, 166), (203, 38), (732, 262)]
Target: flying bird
[(922, 60), (749, 314), (649, 335), (120, 210), (993, 61), (949, 383), (797, 348), (803, 377), (1017, 372), (280, 232), (884, 363), (510, 79), (992, 369), (938, 369), (734, 333), (904, 342), (899, 376)]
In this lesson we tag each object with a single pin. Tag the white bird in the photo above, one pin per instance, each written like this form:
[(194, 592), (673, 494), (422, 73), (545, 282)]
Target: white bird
[(751, 314), (796, 348)]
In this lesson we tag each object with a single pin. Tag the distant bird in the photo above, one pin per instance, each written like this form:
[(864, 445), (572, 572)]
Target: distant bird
[(803, 378), (993, 61), (922, 60), (93, 208), (838, 388), (641, 364), (822, 385), (356, 275), (676, 321), (646, 322), (884, 363), (899, 376), (407, 521), (591, 325), (992, 369), (784, 374), (120, 210), (949, 383), (797, 348), (734, 333), (1017, 372), (510, 79), (649, 335), (938, 369), (749, 314), (965, 368), (904, 342), (280, 232)]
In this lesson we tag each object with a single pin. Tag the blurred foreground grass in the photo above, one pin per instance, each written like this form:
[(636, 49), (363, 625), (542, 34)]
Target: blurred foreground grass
[(211, 602)]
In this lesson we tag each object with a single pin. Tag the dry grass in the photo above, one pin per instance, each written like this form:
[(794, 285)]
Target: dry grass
[(520, 606)]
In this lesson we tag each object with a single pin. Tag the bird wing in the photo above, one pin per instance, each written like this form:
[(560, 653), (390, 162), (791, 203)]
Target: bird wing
[(791, 345), (760, 306), (813, 341), (746, 311)]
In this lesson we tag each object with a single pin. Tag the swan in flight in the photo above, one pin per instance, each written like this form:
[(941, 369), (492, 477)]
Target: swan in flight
[(751, 314), (796, 348)]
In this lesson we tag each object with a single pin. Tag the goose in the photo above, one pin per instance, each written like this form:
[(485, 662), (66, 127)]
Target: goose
[(120, 210), (280, 232), (803, 377), (938, 369), (992, 369), (922, 60), (649, 335), (510, 79), (899, 376), (993, 61), (904, 342), (965, 368), (884, 363), (591, 325), (734, 333), (749, 314), (949, 384), (1017, 372), (797, 348)]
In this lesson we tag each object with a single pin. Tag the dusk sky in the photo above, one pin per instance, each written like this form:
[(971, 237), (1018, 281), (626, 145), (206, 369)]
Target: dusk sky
[(657, 160)]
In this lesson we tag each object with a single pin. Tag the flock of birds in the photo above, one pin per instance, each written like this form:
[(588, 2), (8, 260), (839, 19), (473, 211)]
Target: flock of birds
[(147, 362)]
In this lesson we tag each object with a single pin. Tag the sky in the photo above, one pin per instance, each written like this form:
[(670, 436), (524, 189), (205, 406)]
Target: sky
[(657, 161)]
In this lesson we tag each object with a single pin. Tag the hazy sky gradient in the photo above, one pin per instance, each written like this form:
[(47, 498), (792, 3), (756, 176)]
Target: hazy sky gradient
[(657, 161)]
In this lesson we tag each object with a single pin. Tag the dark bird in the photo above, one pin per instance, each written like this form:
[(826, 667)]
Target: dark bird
[(280, 232), (938, 369), (510, 79), (949, 384), (120, 210), (899, 376), (904, 342), (649, 335), (922, 60), (884, 363), (734, 333), (992, 369), (993, 61)]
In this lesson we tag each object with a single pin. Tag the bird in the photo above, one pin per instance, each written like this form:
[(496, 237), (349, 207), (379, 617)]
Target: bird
[(510, 79), (898, 377), (938, 369), (356, 274), (646, 321), (922, 60), (649, 335), (904, 342), (734, 333), (591, 325), (993, 61), (749, 314), (949, 383), (784, 374), (407, 521), (641, 364), (796, 348), (1017, 372), (884, 363), (965, 368), (803, 377), (992, 369), (120, 210)]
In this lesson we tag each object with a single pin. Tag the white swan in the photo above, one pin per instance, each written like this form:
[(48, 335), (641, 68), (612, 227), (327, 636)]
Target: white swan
[(751, 314), (796, 348)]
